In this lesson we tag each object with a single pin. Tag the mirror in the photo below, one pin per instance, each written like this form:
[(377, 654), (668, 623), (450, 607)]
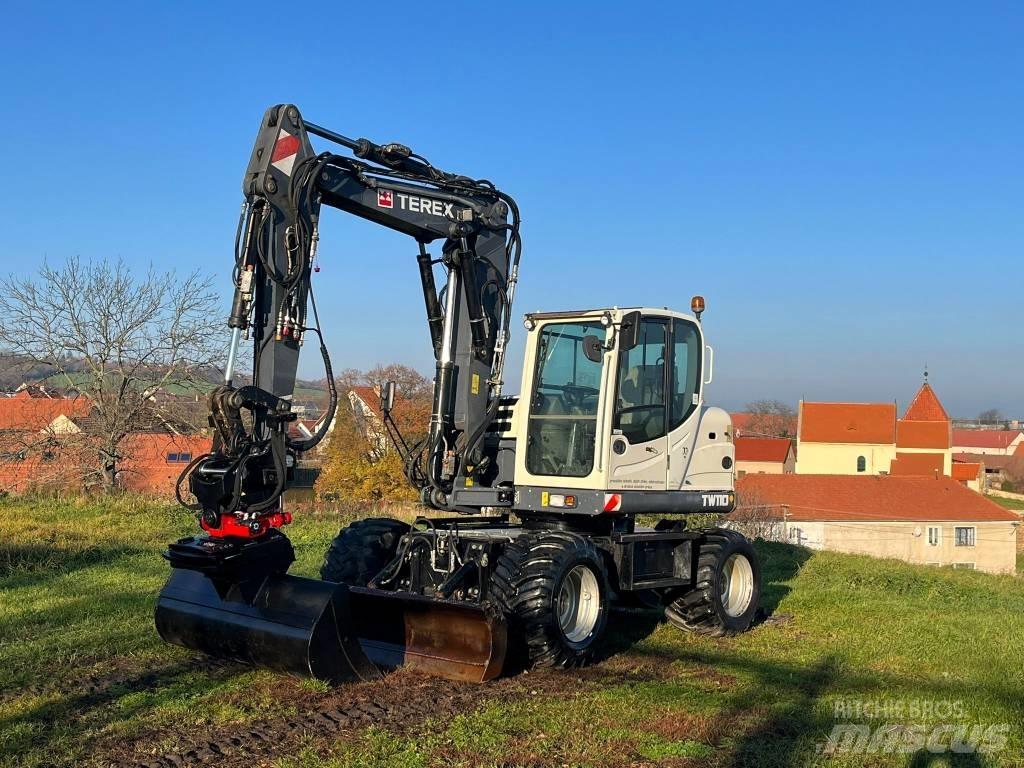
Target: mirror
[(387, 397), (593, 348), (629, 331)]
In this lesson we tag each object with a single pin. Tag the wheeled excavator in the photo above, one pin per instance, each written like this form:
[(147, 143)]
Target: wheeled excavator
[(530, 530)]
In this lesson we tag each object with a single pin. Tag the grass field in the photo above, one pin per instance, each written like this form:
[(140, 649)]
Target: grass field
[(84, 680)]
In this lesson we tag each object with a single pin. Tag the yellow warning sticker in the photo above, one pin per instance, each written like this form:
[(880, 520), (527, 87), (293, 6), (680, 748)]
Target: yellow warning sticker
[(545, 497), (475, 384)]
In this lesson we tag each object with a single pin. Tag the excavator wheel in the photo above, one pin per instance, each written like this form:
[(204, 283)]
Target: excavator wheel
[(553, 588), (360, 551), (724, 600)]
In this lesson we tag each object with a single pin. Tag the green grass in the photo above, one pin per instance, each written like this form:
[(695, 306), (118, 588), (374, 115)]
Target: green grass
[(1014, 504), (78, 581)]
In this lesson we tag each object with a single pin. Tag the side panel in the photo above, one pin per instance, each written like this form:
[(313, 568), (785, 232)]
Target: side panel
[(709, 464)]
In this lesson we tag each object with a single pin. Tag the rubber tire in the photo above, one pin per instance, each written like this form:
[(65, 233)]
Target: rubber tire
[(700, 609), (360, 551), (525, 585)]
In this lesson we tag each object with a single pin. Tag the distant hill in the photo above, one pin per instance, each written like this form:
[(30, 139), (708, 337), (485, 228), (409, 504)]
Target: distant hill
[(16, 370)]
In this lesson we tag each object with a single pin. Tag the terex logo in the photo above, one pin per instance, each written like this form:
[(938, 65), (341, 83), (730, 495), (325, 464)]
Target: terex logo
[(385, 199)]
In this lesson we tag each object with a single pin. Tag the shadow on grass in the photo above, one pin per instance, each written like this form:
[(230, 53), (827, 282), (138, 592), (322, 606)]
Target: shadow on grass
[(780, 563), (780, 724), (30, 564), (70, 718), (626, 628)]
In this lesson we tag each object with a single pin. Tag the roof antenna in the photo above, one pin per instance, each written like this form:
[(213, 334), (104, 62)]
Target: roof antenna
[(926, 373)]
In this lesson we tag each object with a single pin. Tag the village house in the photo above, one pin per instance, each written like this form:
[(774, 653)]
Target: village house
[(988, 442), (995, 469), (927, 520), (39, 448), (768, 455), (971, 474)]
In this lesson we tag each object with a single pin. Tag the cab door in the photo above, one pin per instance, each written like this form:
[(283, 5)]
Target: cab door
[(685, 397), (639, 443)]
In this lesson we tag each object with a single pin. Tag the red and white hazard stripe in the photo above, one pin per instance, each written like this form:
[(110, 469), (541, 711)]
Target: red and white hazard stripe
[(285, 150)]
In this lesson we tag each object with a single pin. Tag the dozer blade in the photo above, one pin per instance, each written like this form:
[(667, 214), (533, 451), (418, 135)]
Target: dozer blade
[(457, 641), (329, 631)]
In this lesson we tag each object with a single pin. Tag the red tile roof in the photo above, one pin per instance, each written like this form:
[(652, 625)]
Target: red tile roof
[(26, 412), (964, 471), (985, 438), (928, 464), (923, 434), (878, 498), (371, 397), (776, 449), (873, 423), (926, 406)]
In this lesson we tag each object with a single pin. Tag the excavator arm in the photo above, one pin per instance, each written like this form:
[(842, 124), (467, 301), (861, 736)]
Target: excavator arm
[(229, 593), (239, 486)]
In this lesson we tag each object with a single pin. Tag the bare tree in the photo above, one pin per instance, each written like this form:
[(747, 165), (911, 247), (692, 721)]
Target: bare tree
[(139, 347), (770, 418), (755, 518)]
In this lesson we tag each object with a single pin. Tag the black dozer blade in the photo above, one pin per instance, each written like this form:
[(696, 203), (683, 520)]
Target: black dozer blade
[(232, 599)]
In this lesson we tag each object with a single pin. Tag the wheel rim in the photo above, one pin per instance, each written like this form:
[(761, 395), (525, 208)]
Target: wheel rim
[(737, 585), (579, 604)]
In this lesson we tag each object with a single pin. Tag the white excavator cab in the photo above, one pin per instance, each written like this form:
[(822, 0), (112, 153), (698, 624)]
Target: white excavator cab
[(613, 406)]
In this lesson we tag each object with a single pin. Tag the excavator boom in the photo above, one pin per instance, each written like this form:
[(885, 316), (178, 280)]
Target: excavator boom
[(229, 593)]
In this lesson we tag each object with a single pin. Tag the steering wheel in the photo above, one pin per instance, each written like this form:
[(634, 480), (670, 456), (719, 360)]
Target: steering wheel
[(575, 394), (644, 421)]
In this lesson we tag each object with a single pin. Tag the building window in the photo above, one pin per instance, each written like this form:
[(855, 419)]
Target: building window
[(966, 566), (934, 535), (184, 458), (172, 458), (862, 464), (964, 536)]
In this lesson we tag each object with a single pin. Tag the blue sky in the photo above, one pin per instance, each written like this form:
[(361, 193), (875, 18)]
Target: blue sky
[(843, 182)]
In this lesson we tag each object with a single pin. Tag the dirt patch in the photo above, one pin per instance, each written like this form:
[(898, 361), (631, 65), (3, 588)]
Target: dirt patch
[(709, 674), (712, 730), (401, 702)]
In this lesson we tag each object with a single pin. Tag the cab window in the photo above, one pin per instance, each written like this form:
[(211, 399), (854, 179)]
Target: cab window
[(562, 431), (640, 397), (686, 374)]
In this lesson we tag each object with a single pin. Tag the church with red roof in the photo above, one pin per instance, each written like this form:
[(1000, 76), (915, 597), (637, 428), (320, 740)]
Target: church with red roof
[(873, 439)]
